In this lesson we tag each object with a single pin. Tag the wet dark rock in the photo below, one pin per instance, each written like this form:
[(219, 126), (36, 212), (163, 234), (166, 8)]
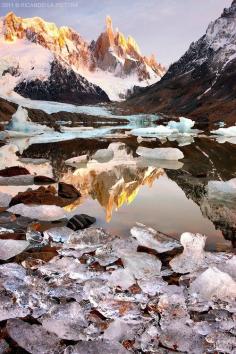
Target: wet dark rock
[(68, 191), (14, 171), (43, 180), (80, 222)]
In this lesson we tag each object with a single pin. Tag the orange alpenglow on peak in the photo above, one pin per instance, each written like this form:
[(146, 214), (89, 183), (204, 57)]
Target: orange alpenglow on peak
[(114, 52), (109, 22)]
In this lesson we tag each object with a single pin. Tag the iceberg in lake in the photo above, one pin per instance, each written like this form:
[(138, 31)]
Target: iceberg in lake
[(172, 129), (21, 126), (221, 189), (228, 132), (160, 153)]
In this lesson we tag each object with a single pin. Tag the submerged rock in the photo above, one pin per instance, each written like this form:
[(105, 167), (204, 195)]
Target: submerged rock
[(80, 222), (68, 191), (43, 196), (14, 171), (43, 180)]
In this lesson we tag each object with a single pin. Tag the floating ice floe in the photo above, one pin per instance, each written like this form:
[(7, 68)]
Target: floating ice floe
[(79, 161), (227, 132), (9, 158), (75, 129), (103, 155), (4, 199), (21, 180), (150, 238), (225, 135), (160, 153), (20, 125), (10, 248), (39, 212), (222, 190), (173, 131)]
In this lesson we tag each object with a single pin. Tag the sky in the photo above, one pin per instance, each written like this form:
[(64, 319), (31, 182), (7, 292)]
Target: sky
[(164, 28)]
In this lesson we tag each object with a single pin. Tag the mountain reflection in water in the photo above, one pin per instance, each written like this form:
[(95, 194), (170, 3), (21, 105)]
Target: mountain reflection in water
[(115, 182), (177, 200)]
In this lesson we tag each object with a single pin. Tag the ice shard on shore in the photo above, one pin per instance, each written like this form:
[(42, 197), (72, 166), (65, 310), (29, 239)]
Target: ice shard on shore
[(150, 238)]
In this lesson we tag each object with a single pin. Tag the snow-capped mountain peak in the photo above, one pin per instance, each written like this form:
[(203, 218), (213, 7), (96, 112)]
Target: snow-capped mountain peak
[(112, 62)]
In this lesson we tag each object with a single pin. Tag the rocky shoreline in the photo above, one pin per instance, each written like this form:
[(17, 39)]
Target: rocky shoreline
[(68, 286)]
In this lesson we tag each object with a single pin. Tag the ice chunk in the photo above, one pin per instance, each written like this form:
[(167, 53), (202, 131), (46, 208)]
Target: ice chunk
[(120, 330), (10, 248), (5, 199), (66, 321), (160, 130), (105, 255), (172, 129), (98, 346), (177, 329), (149, 340), (193, 255), (4, 346), (67, 266), (141, 265), (214, 284), (152, 286), (8, 156), (122, 278), (222, 342), (184, 125), (222, 190), (21, 126), (59, 234), (228, 132), (152, 239), (166, 164), (10, 309), (77, 161), (39, 212), (160, 153), (22, 180), (89, 238), (103, 155), (33, 338)]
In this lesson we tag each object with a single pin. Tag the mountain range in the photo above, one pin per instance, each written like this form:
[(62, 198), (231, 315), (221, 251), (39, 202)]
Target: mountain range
[(39, 60), (201, 84)]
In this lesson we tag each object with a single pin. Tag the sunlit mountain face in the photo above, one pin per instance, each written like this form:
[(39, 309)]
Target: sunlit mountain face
[(33, 53)]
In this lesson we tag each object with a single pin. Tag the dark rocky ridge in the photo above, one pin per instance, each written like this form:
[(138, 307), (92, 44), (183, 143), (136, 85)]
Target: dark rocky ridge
[(202, 84), (63, 85)]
